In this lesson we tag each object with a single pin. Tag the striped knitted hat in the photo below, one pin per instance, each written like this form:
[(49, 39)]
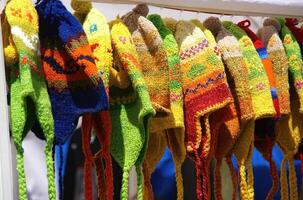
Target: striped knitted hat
[(98, 36), (168, 131), (152, 57), (224, 124), (264, 128), (203, 79), (130, 108), (241, 110), (262, 105), (29, 99)]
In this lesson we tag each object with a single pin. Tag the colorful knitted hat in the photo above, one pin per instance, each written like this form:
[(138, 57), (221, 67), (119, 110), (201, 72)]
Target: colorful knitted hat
[(203, 79), (152, 57), (296, 31), (167, 131), (131, 107), (241, 110), (264, 128), (29, 99), (262, 104), (294, 56), (75, 88), (98, 35)]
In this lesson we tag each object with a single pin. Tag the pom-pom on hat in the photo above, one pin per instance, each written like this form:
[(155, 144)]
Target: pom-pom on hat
[(241, 111), (29, 100), (130, 108), (203, 78)]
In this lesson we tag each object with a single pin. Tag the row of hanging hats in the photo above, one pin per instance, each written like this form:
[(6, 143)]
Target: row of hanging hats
[(142, 83)]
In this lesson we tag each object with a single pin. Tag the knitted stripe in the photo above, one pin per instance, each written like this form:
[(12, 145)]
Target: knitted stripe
[(29, 100), (129, 142)]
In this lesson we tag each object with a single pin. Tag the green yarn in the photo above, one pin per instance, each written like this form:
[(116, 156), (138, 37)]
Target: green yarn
[(28, 92), (234, 29)]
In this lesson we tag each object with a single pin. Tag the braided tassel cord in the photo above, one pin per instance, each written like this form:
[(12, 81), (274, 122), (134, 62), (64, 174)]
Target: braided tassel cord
[(179, 181), (139, 183), (250, 175), (100, 175), (50, 171), (292, 179), (124, 187), (233, 176), (283, 180), (198, 173), (21, 175)]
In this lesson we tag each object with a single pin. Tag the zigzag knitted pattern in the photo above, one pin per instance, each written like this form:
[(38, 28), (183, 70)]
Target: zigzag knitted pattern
[(74, 85), (152, 57), (29, 98), (131, 115)]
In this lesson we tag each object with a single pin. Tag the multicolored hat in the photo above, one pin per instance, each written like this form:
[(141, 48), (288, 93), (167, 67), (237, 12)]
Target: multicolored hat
[(296, 31), (203, 79), (29, 100), (130, 109)]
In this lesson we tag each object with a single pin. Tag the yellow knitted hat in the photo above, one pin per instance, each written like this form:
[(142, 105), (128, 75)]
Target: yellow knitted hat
[(167, 131)]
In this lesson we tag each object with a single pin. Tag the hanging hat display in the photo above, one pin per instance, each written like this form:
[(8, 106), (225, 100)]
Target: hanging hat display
[(29, 98), (130, 108), (242, 110)]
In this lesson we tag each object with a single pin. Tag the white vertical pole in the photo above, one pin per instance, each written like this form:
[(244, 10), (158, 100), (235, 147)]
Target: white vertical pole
[(6, 171)]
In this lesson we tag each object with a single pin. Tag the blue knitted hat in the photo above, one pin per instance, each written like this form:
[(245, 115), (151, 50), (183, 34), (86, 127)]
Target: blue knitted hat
[(71, 74)]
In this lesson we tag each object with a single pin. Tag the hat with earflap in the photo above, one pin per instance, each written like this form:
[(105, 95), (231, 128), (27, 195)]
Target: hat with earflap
[(152, 56), (203, 79), (29, 100), (259, 89), (228, 127), (130, 109), (98, 36), (167, 131), (74, 86)]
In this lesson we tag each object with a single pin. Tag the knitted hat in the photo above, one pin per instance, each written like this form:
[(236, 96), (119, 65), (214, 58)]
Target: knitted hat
[(295, 62), (264, 128), (74, 85), (242, 108), (203, 79), (296, 31), (167, 131), (29, 100), (98, 35), (262, 105), (152, 57), (130, 108)]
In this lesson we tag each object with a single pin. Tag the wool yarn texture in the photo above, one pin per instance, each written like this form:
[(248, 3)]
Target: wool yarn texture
[(167, 131), (262, 105), (239, 113), (28, 92), (264, 128), (131, 107), (295, 62), (98, 36), (152, 57), (203, 78), (297, 32)]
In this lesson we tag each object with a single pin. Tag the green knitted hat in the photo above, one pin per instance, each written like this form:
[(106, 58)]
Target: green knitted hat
[(29, 97), (169, 130), (131, 107)]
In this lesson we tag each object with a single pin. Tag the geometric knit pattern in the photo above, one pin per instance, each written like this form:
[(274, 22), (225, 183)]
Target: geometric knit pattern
[(238, 77), (295, 62), (205, 90), (130, 108), (264, 128), (29, 99), (170, 128), (75, 88), (152, 56)]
